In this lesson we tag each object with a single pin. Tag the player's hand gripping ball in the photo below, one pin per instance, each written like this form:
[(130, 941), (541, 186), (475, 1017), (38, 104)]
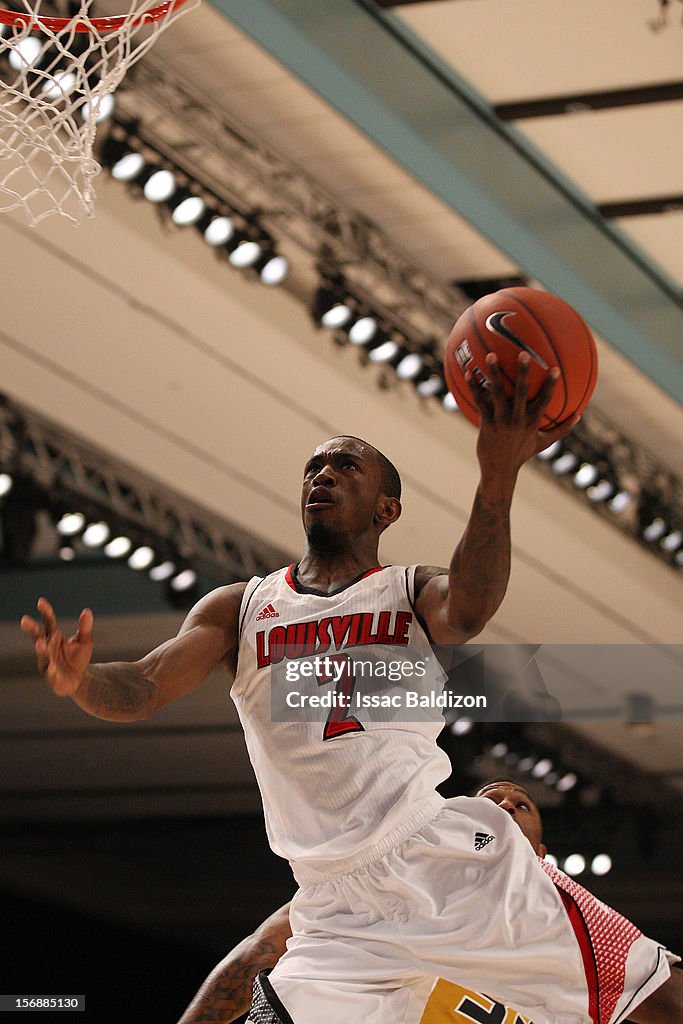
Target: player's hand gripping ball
[(516, 320)]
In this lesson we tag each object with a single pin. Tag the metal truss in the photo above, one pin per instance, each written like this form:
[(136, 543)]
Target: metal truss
[(229, 161), (71, 474)]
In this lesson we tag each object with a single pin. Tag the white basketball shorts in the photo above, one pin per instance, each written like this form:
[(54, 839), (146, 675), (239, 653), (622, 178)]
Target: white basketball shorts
[(463, 898)]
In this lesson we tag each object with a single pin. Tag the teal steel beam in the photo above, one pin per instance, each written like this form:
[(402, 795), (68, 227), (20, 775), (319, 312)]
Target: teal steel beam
[(377, 73)]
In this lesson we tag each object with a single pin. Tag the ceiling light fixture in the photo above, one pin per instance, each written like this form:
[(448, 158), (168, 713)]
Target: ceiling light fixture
[(384, 352), (586, 475), (363, 330), (96, 534), (600, 491), (70, 524), (245, 253), (218, 230), (410, 366), (160, 185), (620, 502), (118, 547), (186, 208), (128, 166), (273, 268), (550, 452), (184, 580), (574, 864), (162, 571), (566, 783), (564, 463), (601, 864), (142, 558), (103, 104), (431, 386)]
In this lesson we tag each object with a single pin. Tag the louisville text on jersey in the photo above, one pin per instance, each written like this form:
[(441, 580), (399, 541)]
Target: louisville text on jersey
[(339, 632)]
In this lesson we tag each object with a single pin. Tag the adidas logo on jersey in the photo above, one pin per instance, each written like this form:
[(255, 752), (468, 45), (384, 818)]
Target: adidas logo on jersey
[(482, 839), (267, 613)]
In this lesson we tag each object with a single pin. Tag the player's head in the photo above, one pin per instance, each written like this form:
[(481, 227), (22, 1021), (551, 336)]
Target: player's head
[(350, 489), (389, 475), (513, 798)]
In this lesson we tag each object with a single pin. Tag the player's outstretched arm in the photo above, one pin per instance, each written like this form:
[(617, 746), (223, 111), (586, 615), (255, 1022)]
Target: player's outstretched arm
[(665, 1005), (458, 605), (226, 993), (130, 691)]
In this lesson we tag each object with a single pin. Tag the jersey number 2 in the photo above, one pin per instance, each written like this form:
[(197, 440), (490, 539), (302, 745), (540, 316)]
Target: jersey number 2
[(339, 721)]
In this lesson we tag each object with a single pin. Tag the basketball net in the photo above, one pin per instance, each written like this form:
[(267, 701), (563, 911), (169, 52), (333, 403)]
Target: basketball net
[(57, 76)]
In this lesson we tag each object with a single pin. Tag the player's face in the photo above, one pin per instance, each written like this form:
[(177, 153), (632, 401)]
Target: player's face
[(521, 809), (341, 489)]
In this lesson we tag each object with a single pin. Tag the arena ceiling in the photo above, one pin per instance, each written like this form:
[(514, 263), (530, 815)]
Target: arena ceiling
[(129, 334)]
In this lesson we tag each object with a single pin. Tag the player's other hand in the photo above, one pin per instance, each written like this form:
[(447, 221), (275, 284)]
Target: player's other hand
[(509, 433), (63, 662)]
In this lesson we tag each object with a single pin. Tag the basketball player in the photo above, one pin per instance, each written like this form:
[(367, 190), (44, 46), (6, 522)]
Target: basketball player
[(226, 994), (396, 887)]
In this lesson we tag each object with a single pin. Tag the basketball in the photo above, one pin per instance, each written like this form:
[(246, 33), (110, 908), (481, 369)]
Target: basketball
[(513, 320)]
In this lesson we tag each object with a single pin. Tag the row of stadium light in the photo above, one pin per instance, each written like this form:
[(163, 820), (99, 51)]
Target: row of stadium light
[(576, 863), (539, 767), (32, 53), (592, 475), (232, 235), (656, 525), (97, 534), (81, 531), (335, 307)]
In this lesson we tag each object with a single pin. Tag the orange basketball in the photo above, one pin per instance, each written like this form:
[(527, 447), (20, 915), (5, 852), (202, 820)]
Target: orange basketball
[(514, 320)]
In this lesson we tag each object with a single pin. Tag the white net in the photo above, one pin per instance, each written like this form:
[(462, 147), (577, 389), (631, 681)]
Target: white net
[(57, 78)]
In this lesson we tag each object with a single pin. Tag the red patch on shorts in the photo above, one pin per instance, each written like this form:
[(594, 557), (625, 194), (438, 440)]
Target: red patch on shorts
[(604, 938)]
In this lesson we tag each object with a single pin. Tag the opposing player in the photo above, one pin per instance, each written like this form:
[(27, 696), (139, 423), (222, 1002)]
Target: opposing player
[(227, 992), (396, 886)]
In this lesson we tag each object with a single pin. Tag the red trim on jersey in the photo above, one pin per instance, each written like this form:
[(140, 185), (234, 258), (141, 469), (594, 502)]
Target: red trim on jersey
[(289, 579), (587, 955), (378, 568)]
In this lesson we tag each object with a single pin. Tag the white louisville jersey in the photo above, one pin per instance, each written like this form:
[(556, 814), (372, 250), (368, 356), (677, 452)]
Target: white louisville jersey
[(331, 691)]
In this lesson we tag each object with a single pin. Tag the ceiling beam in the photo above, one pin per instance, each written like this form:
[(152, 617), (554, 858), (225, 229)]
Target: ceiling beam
[(400, 3), (580, 102), (642, 207), (368, 65)]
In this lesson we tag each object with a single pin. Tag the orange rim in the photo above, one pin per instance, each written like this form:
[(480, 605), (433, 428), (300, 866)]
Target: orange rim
[(99, 24)]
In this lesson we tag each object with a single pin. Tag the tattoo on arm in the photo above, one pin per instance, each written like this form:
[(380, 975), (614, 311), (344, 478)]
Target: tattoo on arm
[(480, 566), (490, 538), (226, 993), (117, 692)]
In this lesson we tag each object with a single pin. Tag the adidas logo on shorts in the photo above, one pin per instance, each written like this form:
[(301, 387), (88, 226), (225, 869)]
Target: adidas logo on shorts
[(267, 613), (482, 839)]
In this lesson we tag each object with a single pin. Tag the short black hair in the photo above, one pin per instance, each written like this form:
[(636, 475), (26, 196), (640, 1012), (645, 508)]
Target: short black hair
[(504, 782), (517, 785), (391, 480)]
